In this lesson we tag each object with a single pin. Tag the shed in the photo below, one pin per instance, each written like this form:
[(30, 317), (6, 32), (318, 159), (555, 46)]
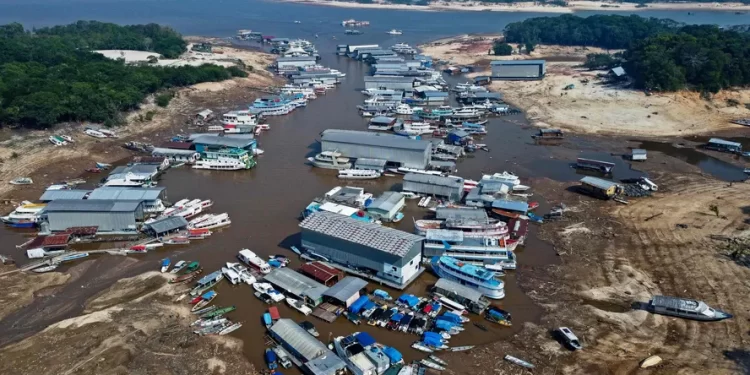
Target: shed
[(482, 80), (458, 137), (390, 83), (134, 172), (51, 195), (435, 96), (297, 284), (322, 272), (618, 72), (382, 121), (346, 291), (600, 188), (107, 215), (205, 114), (316, 357), (508, 205), (166, 225), (370, 164), (518, 69), (387, 206), (638, 154), (442, 165), (449, 187)]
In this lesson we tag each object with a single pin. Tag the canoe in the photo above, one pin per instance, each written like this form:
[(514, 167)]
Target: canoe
[(49, 268), (431, 365), (296, 250), (421, 347), (231, 328), (218, 312), (437, 360), (480, 326), (177, 267), (518, 361), (205, 311), (205, 299), (508, 214), (186, 277), (651, 361), (461, 348)]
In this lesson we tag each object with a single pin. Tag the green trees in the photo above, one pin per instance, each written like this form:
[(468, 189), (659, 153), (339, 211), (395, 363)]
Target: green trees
[(600, 61), (50, 76), (502, 49)]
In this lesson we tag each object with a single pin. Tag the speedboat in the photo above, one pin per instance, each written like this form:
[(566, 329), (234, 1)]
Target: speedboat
[(395, 32)]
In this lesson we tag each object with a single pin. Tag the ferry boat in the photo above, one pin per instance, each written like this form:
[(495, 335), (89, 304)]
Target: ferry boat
[(470, 228), (358, 174), (212, 222), (253, 260), (435, 114), (353, 22), (363, 356), (24, 216), (469, 275), (272, 106), (403, 48), (234, 118), (330, 160), (479, 250), (229, 159)]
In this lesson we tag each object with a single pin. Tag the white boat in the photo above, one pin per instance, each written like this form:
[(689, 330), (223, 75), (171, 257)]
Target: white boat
[(330, 160), (107, 133), (67, 138), (407, 370), (213, 221), (269, 290), (253, 260), (49, 268), (504, 177), (518, 361), (474, 277), (299, 306), (55, 141), (21, 181), (412, 128), (220, 164), (395, 32), (358, 174), (432, 365), (178, 266), (363, 356), (209, 323), (469, 228), (231, 276), (405, 170), (94, 133), (27, 212), (367, 114), (230, 329), (521, 188), (466, 113), (234, 118), (410, 195), (421, 347), (405, 109), (243, 272), (461, 348)]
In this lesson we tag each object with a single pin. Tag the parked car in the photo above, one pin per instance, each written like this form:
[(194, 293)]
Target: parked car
[(568, 338)]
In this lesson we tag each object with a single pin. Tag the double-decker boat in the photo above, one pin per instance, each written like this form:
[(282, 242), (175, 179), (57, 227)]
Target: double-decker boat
[(469, 275)]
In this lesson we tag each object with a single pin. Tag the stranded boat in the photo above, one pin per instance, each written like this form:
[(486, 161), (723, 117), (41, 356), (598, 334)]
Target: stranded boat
[(685, 308), (472, 276), (206, 282)]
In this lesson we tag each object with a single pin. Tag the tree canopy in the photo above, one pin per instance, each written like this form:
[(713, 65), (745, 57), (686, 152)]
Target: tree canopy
[(50, 75)]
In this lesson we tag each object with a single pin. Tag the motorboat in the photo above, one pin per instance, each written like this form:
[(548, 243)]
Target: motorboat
[(504, 177), (363, 355), (25, 215), (253, 260), (395, 32), (466, 113), (330, 160), (299, 306), (472, 276), (268, 289), (165, 265), (405, 109), (221, 164), (405, 170), (412, 128), (358, 174), (685, 308)]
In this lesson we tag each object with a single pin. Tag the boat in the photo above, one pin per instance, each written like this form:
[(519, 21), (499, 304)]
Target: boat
[(296, 250), (685, 308), (94, 133), (299, 306), (266, 288), (468, 228), (218, 312), (405, 170), (177, 240), (26, 215), (498, 316), (382, 294), (432, 365), (362, 354), (165, 265), (186, 277), (437, 360), (518, 361), (461, 348), (410, 195), (21, 181), (650, 361), (358, 174), (310, 328), (208, 322), (330, 160), (230, 328), (221, 164), (478, 250), (243, 273), (44, 269), (179, 266), (206, 282), (57, 141), (395, 32), (283, 357), (421, 347), (253, 260), (470, 275), (505, 177), (411, 129), (205, 299)]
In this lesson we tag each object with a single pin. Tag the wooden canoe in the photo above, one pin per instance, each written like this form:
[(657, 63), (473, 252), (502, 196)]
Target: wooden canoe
[(508, 214), (186, 277)]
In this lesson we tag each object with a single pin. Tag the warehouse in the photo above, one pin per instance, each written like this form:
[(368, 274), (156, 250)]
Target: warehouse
[(306, 77), (108, 215), (451, 188), (387, 207), (346, 291), (434, 97), (310, 354), (469, 297), (176, 156), (390, 83), (322, 273), (402, 151), (369, 250), (297, 285), (151, 197), (295, 62), (518, 69)]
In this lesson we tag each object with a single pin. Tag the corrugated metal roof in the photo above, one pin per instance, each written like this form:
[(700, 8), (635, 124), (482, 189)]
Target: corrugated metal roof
[(397, 79), (459, 133), (243, 141), (435, 94), (371, 162), (510, 205), (452, 182), (138, 169), (638, 151), (345, 288), (293, 281), (444, 235), (172, 151), (724, 142), (486, 95), (85, 205), (126, 193), (618, 71), (178, 145), (373, 139), (51, 195), (387, 201), (598, 182), (518, 62), (168, 224), (325, 365), (375, 236), (295, 58), (443, 213), (458, 289), (320, 271), (298, 338)]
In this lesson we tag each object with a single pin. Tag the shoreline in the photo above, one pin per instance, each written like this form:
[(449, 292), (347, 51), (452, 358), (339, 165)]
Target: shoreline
[(573, 6)]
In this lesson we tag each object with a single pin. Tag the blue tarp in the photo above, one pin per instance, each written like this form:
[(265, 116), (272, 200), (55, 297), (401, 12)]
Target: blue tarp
[(449, 316), (274, 263), (432, 339), (507, 205), (405, 319), (397, 317), (369, 305), (208, 295), (382, 294), (435, 306), (393, 354), (444, 325), (270, 356), (267, 319), (357, 305), (365, 339), (408, 299)]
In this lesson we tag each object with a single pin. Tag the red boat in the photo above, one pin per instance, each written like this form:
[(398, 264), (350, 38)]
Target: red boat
[(138, 248), (196, 300), (533, 205), (274, 311)]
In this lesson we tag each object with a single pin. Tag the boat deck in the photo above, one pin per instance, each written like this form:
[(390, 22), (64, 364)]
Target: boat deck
[(326, 312)]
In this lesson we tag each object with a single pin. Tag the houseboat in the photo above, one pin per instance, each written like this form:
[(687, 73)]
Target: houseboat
[(330, 160), (479, 250), (206, 282), (685, 308), (469, 275), (594, 165), (228, 159), (358, 174), (272, 106), (235, 118), (470, 228)]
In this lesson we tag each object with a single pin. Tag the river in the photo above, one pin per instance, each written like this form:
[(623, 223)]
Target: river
[(264, 203)]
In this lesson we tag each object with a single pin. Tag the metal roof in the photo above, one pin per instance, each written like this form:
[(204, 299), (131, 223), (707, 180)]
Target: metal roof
[(444, 213), (126, 193), (344, 289), (298, 338), (168, 224), (443, 164), (598, 182), (137, 169), (320, 271), (371, 162), (172, 151), (375, 236), (453, 182), (295, 58), (435, 94), (85, 205), (373, 139), (398, 79), (295, 283), (518, 62), (387, 201), (678, 303), (51, 195), (238, 141), (459, 133), (459, 289), (486, 95), (638, 151), (445, 235), (618, 71), (329, 364), (724, 142), (510, 205), (382, 120)]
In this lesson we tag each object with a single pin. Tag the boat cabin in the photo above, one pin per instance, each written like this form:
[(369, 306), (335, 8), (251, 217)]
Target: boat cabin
[(638, 154), (600, 188), (718, 144), (595, 165)]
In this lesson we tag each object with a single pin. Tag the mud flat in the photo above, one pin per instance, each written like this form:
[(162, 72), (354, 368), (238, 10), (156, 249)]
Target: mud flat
[(593, 106)]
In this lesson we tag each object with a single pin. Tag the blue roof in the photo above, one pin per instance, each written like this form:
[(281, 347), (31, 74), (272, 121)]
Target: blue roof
[(369, 305), (267, 318), (518, 62), (393, 354), (510, 205), (365, 339), (451, 317), (209, 294)]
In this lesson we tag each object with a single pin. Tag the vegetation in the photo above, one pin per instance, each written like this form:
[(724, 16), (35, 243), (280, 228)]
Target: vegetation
[(49, 76), (601, 61), (163, 99), (502, 49)]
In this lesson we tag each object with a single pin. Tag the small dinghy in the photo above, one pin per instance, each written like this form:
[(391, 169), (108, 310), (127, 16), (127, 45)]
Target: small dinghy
[(21, 181), (230, 329), (421, 347), (461, 348), (296, 250), (518, 361), (165, 265), (49, 268), (178, 266), (206, 298), (431, 365), (437, 360)]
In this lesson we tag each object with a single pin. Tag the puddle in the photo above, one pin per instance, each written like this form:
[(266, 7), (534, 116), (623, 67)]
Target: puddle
[(708, 164)]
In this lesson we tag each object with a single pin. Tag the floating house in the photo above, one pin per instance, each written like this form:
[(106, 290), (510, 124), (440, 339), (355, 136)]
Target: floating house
[(451, 188), (298, 285), (322, 273), (51, 195), (434, 97), (176, 156), (134, 172), (387, 255), (458, 137), (469, 297), (518, 69), (600, 188), (388, 206), (220, 146), (351, 50), (718, 144), (109, 216), (307, 352), (346, 291), (402, 151), (152, 198), (453, 243), (509, 205)]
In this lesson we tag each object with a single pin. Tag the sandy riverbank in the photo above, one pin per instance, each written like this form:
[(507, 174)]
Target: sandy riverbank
[(594, 106), (573, 6)]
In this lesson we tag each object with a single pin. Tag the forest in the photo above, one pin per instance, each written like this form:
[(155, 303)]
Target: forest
[(49, 75), (659, 55)]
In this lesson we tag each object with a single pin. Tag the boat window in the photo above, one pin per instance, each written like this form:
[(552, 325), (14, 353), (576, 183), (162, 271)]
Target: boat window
[(671, 309), (394, 269)]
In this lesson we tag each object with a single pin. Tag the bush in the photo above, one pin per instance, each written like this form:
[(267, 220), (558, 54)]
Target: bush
[(162, 100), (600, 61), (502, 49)]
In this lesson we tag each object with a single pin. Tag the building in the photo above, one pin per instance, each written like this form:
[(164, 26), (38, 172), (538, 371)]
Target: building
[(134, 172), (600, 188), (310, 354), (352, 49), (434, 97), (451, 188), (719, 144), (346, 291), (106, 215), (387, 206), (402, 151), (471, 298), (207, 142), (322, 273), (482, 97), (176, 156), (295, 62), (508, 205), (369, 250), (482, 80), (51, 195), (518, 69), (151, 197), (618, 73), (390, 83), (461, 214), (475, 198), (638, 154), (298, 285), (370, 164), (165, 226), (458, 137)]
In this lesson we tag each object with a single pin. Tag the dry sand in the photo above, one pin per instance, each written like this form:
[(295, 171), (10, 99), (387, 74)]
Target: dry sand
[(573, 6), (593, 106), (19, 287)]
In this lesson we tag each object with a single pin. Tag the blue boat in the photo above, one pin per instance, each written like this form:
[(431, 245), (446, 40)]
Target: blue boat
[(296, 250), (535, 218), (21, 224), (470, 275), (271, 359), (382, 294), (66, 258), (267, 320), (275, 263)]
